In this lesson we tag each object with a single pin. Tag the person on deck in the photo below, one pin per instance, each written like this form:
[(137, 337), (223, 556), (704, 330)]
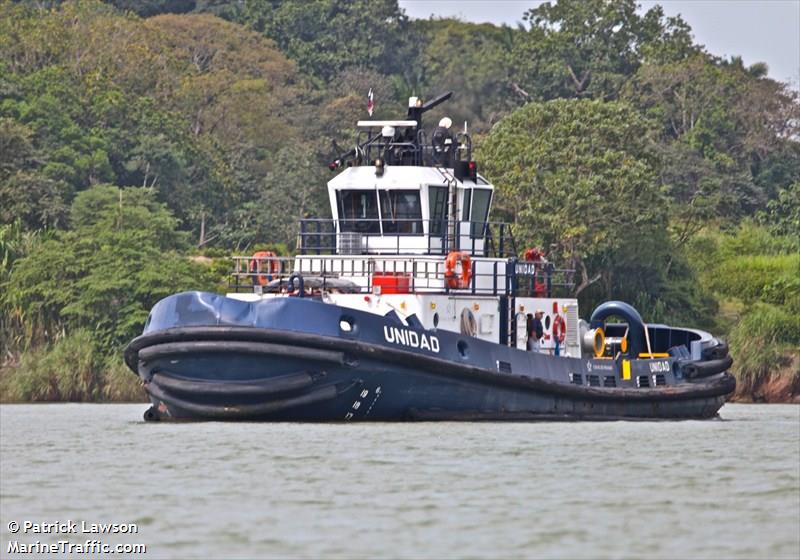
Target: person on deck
[(535, 331), (442, 141)]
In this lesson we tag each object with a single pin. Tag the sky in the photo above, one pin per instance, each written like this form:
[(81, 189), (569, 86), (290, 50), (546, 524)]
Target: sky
[(757, 30)]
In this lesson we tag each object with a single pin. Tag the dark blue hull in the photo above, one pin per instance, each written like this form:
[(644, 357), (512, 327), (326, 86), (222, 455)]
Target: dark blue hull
[(287, 359)]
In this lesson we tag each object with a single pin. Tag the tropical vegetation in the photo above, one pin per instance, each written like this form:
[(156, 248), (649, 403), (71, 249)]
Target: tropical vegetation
[(141, 142)]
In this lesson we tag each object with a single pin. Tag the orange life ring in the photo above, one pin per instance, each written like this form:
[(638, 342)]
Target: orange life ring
[(559, 329), (458, 281), (256, 265)]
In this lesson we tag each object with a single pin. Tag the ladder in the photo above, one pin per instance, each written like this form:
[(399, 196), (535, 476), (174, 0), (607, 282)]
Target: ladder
[(452, 208), (508, 305)]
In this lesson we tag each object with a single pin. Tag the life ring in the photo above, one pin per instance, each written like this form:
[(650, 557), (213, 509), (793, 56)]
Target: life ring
[(559, 329), (453, 280), (256, 265)]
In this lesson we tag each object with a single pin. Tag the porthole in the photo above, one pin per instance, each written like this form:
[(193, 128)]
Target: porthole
[(347, 324), (435, 320), (547, 322)]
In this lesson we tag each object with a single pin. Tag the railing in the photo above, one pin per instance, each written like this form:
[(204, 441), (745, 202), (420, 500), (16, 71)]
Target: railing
[(373, 274), (541, 279), (407, 148), (405, 236)]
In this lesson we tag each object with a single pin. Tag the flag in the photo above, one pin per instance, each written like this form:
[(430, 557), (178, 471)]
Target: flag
[(370, 102)]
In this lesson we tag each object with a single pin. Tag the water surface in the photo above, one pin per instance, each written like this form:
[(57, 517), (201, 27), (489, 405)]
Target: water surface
[(698, 489)]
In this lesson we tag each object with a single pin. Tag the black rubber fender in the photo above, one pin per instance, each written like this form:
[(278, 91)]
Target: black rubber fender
[(254, 388), (716, 352), (242, 411), (194, 347), (695, 370)]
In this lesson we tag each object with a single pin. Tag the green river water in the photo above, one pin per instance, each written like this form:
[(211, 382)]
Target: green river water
[(726, 488)]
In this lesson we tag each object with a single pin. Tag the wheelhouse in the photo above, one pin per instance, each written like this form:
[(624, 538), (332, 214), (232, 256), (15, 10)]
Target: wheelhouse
[(406, 209)]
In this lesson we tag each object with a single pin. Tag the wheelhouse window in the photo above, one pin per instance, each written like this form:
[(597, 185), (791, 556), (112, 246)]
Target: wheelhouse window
[(480, 211), (358, 211), (437, 197), (401, 212)]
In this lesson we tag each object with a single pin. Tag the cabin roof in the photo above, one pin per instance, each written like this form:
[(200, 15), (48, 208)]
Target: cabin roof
[(380, 124), (395, 177)]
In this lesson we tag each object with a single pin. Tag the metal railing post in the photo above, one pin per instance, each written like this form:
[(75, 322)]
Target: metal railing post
[(318, 237), (474, 266)]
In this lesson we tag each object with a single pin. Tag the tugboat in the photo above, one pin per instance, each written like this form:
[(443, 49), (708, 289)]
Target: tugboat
[(409, 304)]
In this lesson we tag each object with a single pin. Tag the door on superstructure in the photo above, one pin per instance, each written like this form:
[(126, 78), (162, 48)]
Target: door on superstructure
[(437, 218), (474, 220)]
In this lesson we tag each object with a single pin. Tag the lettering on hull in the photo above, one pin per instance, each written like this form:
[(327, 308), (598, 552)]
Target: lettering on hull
[(659, 367), (412, 339)]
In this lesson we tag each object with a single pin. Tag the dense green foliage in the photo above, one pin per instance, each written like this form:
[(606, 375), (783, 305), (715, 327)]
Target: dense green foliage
[(570, 165), (134, 135), (120, 257), (756, 274)]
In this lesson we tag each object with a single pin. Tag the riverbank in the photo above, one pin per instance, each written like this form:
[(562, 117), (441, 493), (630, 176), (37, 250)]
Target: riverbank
[(781, 385)]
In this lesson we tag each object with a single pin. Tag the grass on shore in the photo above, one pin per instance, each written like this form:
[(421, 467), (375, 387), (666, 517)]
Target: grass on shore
[(71, 370), (765, 345)]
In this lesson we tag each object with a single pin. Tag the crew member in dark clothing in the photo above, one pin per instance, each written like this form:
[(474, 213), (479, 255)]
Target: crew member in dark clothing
[(442, 142), (535, 331)]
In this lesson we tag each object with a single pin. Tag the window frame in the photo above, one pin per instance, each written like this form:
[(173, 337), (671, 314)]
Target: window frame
[(414, 222), (347, 224)]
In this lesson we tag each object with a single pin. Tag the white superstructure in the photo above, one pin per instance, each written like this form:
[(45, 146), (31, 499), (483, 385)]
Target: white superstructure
[(410, 233)]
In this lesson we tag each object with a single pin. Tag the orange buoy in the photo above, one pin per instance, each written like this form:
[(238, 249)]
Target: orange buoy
[(257, 265), (458, 281)]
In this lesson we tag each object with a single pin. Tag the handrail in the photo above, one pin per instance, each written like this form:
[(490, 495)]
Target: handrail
[(421, 274), (411, 236), (409, 148)]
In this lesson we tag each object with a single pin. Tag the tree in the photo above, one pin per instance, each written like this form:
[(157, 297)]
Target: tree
[(326, 36), (783, 214), (106, 273), (191, 106), (243, 100), (27, 196), (579, 176), (147, 8), (475, 62), (589, 48), (727, 137), (294, 190)]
